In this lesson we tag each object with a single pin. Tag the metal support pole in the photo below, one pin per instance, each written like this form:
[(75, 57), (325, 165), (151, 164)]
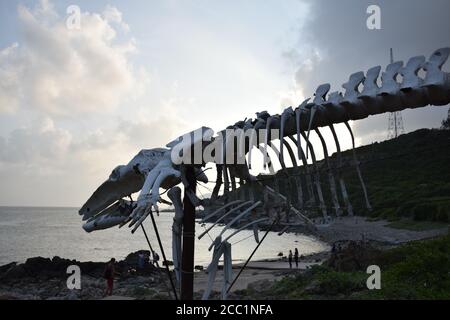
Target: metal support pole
[(187, 260), (159, 270), (164, 255), (251, 255)]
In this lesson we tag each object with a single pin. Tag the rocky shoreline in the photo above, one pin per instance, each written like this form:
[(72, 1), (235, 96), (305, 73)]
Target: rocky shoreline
[(354, 241), (46, 279)]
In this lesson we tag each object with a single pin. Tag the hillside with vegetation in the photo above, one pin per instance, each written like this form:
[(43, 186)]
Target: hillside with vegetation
[(417, 270), (406, 178)]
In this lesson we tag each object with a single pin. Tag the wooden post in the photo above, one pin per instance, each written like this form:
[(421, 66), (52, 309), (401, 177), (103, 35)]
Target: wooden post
[(187, 260)]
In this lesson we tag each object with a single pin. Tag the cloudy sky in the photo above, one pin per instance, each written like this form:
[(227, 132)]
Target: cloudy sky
[(74, 103)]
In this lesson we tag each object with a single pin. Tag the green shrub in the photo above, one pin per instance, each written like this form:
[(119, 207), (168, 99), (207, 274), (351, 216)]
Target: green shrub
[(335, 283)]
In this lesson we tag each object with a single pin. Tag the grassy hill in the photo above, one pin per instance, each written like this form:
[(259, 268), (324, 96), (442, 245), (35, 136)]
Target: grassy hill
[(417, 270), (405, 177)]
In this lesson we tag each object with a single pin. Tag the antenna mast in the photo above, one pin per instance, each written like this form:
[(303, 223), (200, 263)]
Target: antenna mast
[(395, 122)]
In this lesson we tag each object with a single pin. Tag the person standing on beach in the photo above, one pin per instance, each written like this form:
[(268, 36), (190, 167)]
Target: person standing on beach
[(109, 276), (296, 257), (141, 260), (290, 259), (155, 259)]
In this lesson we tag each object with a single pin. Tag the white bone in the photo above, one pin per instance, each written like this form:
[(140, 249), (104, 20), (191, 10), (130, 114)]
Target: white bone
[(410, 73), (209, 216), (223, 217), (389, 84), (370, 83)]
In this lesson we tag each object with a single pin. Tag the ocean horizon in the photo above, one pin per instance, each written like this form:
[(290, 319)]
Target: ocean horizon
[(27, 232)]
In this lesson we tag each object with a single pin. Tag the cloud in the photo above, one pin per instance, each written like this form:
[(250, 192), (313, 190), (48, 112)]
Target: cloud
[(44, 159), (36, 144), (10, 91), (335, 42), (68, 72), (113, 15)]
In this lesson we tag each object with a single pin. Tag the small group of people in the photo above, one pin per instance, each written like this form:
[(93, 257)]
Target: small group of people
[(144, 259), (110, 269), (294, 257)]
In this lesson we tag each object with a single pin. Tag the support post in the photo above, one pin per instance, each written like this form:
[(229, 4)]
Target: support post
[(187, 260)]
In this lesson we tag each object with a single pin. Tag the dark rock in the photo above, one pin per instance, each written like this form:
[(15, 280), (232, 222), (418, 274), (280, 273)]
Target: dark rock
[(169, 263), (6, 267), (37, 266), (8, 297), (353, 256), (199, 268), (42, 269), (16, 272), (132, 258), (94, 269)]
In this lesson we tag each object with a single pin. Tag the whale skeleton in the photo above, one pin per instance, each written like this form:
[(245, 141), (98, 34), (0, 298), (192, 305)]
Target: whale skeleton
[(418, 83)]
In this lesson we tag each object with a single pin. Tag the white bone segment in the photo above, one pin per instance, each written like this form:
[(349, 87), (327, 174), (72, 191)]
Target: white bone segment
[(388, 79), (290, 152), (144, 216), (112, 216), (209, 216), (410, 73), (212, 268), (341, 180), (241, 215), (358, 170), (277, 152), (311, 120), (287, 113), (309, 186), (150, 192), (317, 179), (123, 181), (331, 180), (227, 269), (246, 226), (258, 125), (223, 217), (370, 83)]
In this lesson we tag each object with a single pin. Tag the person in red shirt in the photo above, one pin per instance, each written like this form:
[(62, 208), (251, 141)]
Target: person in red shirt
[(109, 276)]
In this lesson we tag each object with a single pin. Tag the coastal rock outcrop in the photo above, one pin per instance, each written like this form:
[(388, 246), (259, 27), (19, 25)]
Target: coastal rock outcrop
[(45, 278)]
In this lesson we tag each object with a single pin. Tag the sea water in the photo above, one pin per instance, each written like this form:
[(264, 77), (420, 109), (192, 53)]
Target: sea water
[(48, 232)]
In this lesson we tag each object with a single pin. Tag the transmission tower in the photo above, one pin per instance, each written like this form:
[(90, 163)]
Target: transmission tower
[(395, 123)]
